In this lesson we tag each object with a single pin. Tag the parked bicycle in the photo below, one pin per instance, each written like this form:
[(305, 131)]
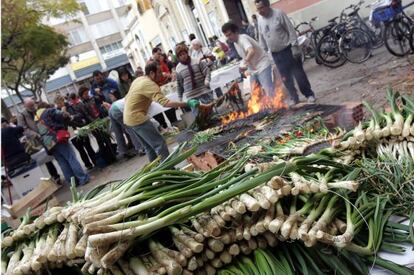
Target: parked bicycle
[(307, 40), (351, 15), (344, 42), (398, 32)]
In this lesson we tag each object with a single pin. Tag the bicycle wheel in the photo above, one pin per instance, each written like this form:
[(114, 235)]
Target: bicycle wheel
[(377, 37), (376, 34), (328, 52), (412, 39), (397, 37), (355, 44)]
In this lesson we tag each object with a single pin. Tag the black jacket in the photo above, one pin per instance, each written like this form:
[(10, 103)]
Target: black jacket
[(80, 113)]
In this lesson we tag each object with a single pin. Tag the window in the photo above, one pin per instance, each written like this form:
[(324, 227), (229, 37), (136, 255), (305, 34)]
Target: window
[(77, 36), (184, 33), (95, 6), (156, 42), (65, 90), (112, 50), (111, 47), (144, 54), (104, 28), (214, 23)]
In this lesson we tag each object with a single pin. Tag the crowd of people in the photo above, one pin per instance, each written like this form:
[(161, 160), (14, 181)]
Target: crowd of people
[(270, 40)]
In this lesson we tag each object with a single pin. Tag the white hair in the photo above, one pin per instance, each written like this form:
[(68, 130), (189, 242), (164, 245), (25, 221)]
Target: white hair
[(196, 42)]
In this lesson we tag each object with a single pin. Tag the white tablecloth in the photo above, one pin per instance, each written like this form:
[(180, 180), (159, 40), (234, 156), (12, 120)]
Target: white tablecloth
[(157, 108), (222, 76)]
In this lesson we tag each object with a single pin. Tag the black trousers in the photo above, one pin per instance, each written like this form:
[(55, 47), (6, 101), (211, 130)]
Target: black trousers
[(290, 68), (106, 149), (52, 170), (87, 154), (171, 115)]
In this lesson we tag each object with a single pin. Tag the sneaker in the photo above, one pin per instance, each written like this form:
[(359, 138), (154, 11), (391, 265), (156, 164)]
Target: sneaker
[(311, 99)]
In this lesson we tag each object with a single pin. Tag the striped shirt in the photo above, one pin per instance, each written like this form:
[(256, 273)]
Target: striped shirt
[(201, 76)]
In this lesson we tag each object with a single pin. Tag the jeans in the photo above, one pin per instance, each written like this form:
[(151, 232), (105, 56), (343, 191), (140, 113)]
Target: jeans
[(290, 67), (119, 128), (264, 79), (86, 152), (66, 157), (151, 139)]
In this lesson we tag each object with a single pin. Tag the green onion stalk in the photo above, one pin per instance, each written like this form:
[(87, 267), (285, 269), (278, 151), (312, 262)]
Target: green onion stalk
[(139, 182), (397, 127), (185, 194), (183, 214)]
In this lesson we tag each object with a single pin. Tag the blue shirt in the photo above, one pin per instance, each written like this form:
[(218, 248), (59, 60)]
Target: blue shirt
[(109, 86)]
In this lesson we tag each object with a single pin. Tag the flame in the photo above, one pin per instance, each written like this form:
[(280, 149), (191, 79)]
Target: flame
[(258, 102)]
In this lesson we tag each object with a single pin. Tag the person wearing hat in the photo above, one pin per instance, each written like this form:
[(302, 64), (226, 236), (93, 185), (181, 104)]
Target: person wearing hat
[(144, 90), (193, 77)]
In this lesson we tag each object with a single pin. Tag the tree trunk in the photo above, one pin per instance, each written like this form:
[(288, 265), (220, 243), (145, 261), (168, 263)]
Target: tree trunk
[(19, 95), (35, 97), (5, 112)]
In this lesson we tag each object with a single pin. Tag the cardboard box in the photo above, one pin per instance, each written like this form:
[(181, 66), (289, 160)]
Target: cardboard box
[(50, 202), (33, 199)]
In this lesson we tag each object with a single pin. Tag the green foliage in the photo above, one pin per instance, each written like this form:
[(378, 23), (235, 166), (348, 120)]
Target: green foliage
[(31, 50)]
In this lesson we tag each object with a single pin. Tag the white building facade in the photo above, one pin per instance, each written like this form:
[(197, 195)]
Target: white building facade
[(95, 37)]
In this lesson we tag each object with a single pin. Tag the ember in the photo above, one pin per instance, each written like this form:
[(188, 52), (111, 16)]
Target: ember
[(258, 102)]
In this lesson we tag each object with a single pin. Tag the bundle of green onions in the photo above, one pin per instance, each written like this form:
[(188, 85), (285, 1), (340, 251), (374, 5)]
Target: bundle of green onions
[(389, 133), (101, 124), (167, 221), (300, 141)]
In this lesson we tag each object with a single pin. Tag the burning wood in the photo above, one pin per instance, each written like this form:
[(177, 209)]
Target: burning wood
[(258, 102)]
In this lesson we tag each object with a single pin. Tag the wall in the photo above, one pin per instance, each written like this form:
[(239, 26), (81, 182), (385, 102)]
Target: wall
[(290, 6), (149, 25), (214, 16)]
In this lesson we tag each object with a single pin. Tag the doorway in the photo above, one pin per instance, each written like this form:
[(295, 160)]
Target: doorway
[(236, 11), (195, 18)]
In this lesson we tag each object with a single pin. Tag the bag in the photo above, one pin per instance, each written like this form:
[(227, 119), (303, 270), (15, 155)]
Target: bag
[(62, 136), (48, 139), (51, 137), (33, 145)]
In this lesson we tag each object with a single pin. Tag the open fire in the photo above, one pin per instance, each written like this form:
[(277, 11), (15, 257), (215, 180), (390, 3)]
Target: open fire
[(258, 102)]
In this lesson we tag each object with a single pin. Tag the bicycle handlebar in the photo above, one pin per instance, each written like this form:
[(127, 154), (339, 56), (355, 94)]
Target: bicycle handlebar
[(354, 6)]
